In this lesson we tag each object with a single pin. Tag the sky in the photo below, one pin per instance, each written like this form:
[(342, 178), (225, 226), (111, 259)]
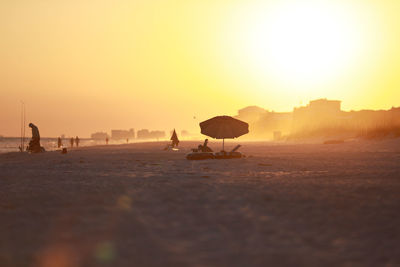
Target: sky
[(96, 65)]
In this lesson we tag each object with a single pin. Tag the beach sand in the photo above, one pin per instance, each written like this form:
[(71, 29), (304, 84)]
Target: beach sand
[(136, 205)]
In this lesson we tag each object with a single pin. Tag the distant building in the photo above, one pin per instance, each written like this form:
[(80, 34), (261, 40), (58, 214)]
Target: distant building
[(157, 134), (251, 114), (320, 113), (122, 134), (143, 134), (263, 123), (320, 118), (99, 136), (146, 134), (185, 133), (326, 106)]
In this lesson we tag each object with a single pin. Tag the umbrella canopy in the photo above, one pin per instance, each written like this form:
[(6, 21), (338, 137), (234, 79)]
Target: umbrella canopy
[(222, 127)]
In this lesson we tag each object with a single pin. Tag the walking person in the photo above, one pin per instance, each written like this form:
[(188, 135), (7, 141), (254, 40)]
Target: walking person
[(72, 141), (59, 142), (77, 141)]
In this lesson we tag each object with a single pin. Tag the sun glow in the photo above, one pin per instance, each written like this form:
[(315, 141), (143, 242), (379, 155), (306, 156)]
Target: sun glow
[(304, 44), (119, 64)]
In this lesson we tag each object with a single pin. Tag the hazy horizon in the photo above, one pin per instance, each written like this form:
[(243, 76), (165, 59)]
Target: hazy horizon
[(193, 132), (96, 66)]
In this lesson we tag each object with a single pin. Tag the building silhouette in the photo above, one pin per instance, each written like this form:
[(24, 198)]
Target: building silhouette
[(122, 134), (320, 118)]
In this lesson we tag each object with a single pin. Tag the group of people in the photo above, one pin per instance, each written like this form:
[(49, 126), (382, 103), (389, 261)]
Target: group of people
[(34, 144), (75, 140)]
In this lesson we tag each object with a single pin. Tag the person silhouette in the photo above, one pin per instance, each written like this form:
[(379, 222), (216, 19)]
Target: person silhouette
[(106, 140), (34, 144), (77, 141), (72, 141), (205, 147), (59, 142)]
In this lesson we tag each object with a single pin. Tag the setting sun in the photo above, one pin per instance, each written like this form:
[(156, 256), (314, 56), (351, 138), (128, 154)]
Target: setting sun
[(303, 43)]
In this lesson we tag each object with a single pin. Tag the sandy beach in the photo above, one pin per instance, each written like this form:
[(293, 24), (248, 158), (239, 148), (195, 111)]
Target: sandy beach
[(136, 205)]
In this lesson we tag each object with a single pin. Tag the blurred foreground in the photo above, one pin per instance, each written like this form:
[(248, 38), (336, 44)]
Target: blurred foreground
[(135, 205)]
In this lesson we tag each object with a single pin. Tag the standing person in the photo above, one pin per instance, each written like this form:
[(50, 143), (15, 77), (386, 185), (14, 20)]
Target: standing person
[(77, 141), (72, 141), (106, 140), (59, 142)]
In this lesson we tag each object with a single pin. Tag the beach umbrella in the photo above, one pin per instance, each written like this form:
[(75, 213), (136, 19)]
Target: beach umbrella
[(174, 139), (222, 127), (174, 136)]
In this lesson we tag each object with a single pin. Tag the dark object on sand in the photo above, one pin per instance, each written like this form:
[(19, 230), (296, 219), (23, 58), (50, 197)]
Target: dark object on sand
[(59, 142), (64, 151), (199, 155), (34, 144), (222, 127), (201, 152), (333, 142), (233, 154)]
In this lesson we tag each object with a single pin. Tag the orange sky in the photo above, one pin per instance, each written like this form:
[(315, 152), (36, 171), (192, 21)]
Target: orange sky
[(86, 66)]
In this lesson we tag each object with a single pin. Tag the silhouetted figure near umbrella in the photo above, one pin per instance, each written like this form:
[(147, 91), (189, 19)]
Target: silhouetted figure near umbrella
[(77, 141), (106, 140), (203, 151), (59, 142), (71, 141), (204, 147), (34, 144), (222, 127)]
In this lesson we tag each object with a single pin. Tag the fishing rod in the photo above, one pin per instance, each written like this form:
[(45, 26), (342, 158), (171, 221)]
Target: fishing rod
[(23, 121), (23, 139)]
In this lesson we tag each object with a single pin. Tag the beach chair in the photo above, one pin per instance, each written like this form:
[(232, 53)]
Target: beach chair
[(235, 148), (233, 154)]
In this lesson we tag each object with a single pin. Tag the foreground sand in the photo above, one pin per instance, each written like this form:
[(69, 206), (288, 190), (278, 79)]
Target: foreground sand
[(135, 205)]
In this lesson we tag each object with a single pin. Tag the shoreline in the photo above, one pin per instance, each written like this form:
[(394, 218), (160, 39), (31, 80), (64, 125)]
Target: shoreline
[(215, 144)]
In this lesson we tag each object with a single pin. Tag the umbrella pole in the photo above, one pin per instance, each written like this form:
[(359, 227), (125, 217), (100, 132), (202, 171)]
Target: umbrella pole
[(223, 144)]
